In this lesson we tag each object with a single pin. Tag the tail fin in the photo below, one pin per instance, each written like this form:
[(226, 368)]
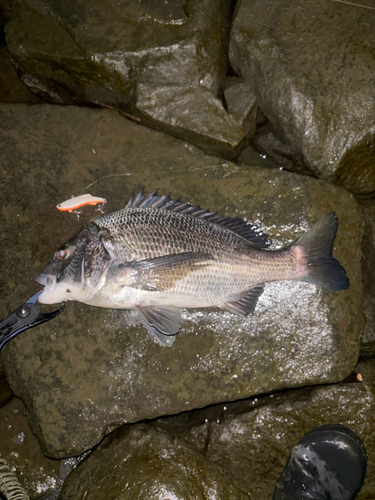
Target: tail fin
[(317, 243)]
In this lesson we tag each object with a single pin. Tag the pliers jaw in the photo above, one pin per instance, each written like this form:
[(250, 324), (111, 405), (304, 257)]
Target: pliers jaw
[(27, 315)]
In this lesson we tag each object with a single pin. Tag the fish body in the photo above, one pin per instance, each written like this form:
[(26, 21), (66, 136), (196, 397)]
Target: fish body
[(158, 255)]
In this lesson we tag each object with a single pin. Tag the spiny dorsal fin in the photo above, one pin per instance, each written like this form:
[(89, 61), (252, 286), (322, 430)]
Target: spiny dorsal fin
[(236, 225)]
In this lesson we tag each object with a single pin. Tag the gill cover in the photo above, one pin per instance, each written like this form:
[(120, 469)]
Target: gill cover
[(76, 268)]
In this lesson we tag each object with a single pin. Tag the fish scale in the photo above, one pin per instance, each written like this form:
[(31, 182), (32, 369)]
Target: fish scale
[(166, 231), (158, 255), (175, 233)]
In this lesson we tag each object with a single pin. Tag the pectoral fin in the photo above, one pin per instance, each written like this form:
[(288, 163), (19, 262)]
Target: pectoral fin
[(246, 303), (161, 273), (161, 321)]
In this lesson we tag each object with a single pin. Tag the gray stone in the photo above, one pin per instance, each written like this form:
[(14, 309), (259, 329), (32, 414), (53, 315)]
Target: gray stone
[(162, 61), (140, 462), (242, 104), (90, 370), (191, 113), (311, 65), (268, 141), (250, 156), (254, 446), (368, 274)]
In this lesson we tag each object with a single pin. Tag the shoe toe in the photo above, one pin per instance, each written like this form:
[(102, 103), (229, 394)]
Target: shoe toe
[(327, 463)]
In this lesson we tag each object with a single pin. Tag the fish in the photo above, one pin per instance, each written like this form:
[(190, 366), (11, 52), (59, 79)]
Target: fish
[(158, 255)]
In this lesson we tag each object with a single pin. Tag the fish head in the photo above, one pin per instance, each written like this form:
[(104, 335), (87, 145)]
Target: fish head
[(77, 267)]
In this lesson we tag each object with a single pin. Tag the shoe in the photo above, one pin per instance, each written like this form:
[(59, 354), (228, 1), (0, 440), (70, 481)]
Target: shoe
[(328, 463)]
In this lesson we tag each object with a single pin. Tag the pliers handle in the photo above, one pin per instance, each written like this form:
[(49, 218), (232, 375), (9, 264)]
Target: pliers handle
[(25, 316)]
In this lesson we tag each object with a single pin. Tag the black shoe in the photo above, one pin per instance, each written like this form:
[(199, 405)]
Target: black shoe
[(328, 463)]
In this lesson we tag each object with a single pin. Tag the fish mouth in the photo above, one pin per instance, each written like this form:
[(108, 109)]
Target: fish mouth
[(47, 280)]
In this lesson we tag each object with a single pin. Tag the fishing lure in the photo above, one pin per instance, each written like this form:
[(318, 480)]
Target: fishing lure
[(77, 202)]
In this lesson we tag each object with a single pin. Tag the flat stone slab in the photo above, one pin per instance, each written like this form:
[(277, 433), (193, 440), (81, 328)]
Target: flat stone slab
[(90, 370)]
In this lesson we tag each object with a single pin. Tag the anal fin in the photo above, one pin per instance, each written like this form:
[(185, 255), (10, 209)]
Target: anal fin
[(161, 321), (246, 303)]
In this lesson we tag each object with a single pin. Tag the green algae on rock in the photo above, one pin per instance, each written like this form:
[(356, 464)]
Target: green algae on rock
[(91, 369)]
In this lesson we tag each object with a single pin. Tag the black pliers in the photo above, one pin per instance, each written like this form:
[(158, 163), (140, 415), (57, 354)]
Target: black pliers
[(25, 316)]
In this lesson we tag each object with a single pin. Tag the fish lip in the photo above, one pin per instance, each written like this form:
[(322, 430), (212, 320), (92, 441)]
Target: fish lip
[(46, 280)]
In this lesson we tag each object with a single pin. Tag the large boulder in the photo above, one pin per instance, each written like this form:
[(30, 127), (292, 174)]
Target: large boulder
[(310, 65), (254, 446), (91, 370), (139, 463), (162, 61)]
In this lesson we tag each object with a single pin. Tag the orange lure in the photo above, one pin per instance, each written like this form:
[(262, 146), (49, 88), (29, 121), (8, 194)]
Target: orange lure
[(80, 201)]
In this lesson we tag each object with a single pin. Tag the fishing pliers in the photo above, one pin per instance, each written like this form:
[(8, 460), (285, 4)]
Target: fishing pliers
[(25, 316)]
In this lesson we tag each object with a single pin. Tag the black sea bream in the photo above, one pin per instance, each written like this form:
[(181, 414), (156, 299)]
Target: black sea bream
[(158, 255)]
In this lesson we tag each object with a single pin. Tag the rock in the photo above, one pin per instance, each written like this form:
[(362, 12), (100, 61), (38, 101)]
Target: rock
[(11, 87), (368, 273), (164, 62), (276, 150), (311, 66), (254, 446), (6, 392), (140, 462), (37, 474), (250, 156), (90, 370), (241, 104), (191, 114)]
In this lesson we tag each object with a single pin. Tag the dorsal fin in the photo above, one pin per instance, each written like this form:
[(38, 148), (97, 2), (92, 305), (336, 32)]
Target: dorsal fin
[(247, 231)]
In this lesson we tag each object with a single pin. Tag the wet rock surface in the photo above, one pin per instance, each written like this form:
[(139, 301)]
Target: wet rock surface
[(37, 473), (368, 273), (163, 62), (11, 87), (242, 104), (254, 446), (88, 371), (6, 392), (140, 462), (91, 369), (311, 67), (307, 66)]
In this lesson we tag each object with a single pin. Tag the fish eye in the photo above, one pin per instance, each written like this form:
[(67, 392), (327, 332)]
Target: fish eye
[(63, 253)]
